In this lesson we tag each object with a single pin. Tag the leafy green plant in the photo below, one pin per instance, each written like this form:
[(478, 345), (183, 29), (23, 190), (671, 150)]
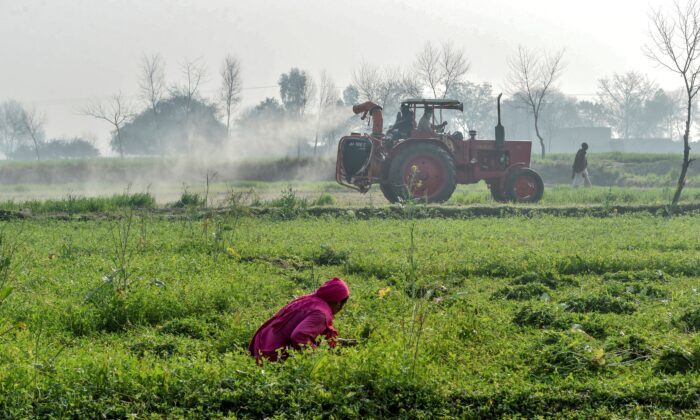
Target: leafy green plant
[(325, 199), (189, 199), (289, 204)]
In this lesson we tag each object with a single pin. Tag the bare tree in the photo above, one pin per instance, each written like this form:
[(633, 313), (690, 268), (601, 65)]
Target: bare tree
[(428, 67), (623, 96), (32, 125), (116, 112), (230, 93), (193, 73), (367, 79), (454, 66), (327, 98), (441, 69), (152, 81), (530, 80), (676, 46)]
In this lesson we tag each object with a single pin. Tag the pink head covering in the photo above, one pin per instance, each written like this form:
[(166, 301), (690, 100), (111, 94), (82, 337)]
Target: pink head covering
[(334, 290)]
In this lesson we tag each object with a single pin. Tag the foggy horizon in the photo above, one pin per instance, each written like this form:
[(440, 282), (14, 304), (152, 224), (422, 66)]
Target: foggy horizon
[(59, 56)]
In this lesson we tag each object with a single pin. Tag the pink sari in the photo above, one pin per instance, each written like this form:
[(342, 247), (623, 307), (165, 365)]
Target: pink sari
[(299, 323)]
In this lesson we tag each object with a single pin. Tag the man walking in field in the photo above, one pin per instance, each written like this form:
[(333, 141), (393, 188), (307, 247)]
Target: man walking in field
[(580, 168)]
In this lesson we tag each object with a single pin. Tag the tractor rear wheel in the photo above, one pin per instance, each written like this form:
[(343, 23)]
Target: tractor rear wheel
[(423, 171), (524, 185), (389, 193)]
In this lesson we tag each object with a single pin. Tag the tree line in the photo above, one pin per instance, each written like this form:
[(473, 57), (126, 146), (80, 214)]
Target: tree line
[(310, 113)]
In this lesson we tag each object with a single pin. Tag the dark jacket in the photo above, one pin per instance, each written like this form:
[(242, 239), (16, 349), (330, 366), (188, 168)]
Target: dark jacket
[(580, 163), (404, 124)]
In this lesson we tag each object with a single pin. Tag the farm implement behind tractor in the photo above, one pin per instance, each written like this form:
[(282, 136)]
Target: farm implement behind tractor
[(424, 162)]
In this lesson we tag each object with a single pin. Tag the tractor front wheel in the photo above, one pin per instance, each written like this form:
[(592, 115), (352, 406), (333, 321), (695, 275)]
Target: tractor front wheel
[(423, 171), (524, 185), (389, 193)]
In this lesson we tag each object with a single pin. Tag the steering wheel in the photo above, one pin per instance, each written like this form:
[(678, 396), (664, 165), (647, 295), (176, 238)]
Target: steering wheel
[(441, 127)]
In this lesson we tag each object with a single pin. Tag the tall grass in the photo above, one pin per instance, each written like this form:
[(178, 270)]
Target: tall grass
[(75, 204)]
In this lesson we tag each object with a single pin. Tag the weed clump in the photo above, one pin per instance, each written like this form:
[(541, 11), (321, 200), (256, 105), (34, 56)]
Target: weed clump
[(189, 199), (603, 304), (288, 205), (324, 199), (330, 256), (522, 292), (690, 321), (635, 276), (551, 280), (569, 352), (541, 316), (678, 360), (193, 327), (629, 348), (644, 290)]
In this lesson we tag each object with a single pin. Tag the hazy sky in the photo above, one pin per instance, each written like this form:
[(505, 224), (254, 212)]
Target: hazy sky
[(57, 55)]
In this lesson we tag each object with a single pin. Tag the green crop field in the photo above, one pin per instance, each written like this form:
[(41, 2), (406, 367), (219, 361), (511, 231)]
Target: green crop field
[(150, 315)]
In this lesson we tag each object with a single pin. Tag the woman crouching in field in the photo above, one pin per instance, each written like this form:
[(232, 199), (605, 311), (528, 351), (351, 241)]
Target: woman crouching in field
[(301, 322)]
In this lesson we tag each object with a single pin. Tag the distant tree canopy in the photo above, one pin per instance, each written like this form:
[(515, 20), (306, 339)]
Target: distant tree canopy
[(296, 91), (181, 125), (56, 149), (263, 117), (350, 95)]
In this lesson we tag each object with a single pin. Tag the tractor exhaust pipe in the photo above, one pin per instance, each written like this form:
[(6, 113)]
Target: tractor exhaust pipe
[(375, 112), (500, 131)]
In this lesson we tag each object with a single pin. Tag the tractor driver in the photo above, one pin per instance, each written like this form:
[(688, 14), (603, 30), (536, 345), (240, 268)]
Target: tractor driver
[(426, 120), (404, 123), (425, 123)]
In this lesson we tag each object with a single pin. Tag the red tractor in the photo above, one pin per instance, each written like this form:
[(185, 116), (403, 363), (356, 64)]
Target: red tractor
[(424, 162)]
